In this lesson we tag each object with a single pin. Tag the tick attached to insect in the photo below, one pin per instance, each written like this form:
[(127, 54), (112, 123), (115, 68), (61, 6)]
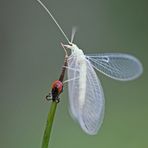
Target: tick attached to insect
[(86, 97)]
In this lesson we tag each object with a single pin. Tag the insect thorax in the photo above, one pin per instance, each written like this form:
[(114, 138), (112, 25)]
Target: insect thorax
[(76, 51)]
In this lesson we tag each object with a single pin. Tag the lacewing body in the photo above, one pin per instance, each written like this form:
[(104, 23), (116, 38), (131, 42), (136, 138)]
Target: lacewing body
[(86, 97)]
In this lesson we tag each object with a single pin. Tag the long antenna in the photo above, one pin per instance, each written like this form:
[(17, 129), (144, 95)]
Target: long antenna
[(74, 29), (53, 19)]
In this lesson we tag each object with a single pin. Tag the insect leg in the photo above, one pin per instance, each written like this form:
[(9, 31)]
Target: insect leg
[(57, 100), (48, 97), (73, 69), (71, 80)]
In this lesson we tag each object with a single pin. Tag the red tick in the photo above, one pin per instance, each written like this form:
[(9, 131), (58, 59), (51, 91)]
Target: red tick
[(57, 86)]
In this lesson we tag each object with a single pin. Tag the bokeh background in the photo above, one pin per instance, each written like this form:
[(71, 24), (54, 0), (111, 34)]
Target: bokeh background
[(31, 58)]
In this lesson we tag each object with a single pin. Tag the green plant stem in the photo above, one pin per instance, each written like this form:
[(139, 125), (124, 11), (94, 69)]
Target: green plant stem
[(49, 123)]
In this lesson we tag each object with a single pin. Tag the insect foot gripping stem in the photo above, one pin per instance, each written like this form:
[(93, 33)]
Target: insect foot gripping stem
[(49, 97), (57, 89)]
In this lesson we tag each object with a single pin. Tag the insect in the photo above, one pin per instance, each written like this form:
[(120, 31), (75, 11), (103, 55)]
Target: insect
[(86, 97), (57, 85)]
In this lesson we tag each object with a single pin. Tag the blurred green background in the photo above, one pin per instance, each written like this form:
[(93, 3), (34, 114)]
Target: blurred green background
[(31, 58)]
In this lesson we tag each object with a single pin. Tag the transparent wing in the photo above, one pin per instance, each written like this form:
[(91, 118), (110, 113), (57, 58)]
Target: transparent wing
[(73, 74), (116, 65), (85, 95)]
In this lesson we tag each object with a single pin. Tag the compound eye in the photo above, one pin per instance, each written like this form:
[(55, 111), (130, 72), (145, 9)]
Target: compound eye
[(70, 43)]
